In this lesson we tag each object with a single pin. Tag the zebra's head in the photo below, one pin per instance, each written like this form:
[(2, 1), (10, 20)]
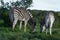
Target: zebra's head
[(32, 23)]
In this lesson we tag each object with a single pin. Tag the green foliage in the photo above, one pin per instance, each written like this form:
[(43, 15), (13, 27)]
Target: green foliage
[(4, 17), (27, 36), (21, 3)]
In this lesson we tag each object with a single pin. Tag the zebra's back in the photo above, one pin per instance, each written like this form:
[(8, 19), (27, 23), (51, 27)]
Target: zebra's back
[(20, 14)]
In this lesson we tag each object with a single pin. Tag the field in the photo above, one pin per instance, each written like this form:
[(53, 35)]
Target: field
[(6, 32)]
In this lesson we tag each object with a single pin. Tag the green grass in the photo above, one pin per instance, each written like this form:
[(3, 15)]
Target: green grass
[(6, 33)]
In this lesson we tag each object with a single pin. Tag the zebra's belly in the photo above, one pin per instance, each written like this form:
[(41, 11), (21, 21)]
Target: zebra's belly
[(23, 19)]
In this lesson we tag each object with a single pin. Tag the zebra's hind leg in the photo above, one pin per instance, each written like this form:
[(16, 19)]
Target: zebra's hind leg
[(25, 26), (20, 25), (51, 28), (14, 23), (46, 31), (43, 28)]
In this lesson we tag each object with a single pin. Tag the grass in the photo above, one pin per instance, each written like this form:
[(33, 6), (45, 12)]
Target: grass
[(6, 33)]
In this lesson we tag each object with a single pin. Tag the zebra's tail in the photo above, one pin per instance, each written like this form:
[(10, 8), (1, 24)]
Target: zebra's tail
[(11, 16)]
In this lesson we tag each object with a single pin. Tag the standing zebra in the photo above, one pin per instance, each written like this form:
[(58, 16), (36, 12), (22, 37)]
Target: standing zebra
[(21, 14), (47, 22)]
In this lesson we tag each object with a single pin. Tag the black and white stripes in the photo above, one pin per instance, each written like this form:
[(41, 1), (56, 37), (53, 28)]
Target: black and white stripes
[(19, 14)]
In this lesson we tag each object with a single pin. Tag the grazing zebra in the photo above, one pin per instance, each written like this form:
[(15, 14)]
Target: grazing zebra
[(21, 14), (47, 22)]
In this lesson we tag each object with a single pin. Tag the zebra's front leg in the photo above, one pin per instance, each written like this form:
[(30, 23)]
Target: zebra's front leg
[(25, 26), (14, 23), (20, 25)]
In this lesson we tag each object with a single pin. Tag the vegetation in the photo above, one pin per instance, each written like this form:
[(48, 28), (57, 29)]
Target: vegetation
[(21, 3), (6, 32)]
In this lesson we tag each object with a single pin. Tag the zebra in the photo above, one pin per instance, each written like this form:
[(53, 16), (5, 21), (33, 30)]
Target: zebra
[(21, 14), (47, 22)]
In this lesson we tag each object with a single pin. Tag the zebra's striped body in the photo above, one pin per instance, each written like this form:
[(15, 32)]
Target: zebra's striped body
[(19, 14), (47, 22)]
